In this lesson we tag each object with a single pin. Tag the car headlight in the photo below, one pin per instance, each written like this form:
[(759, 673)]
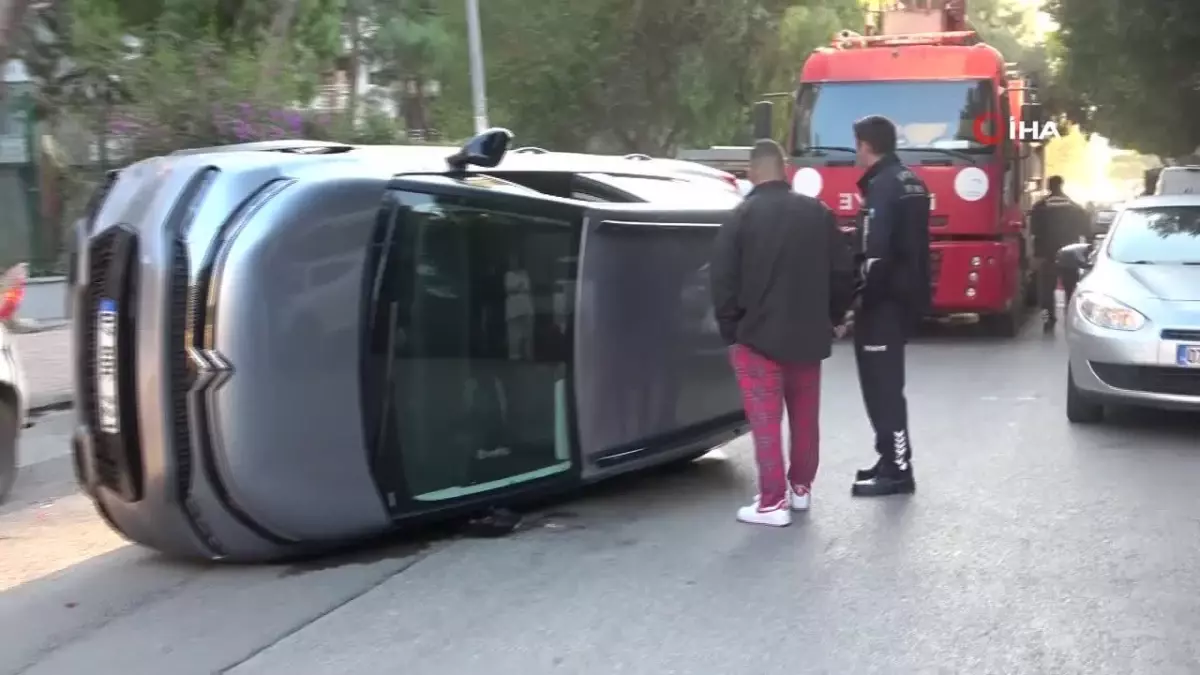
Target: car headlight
[(1106, 312)]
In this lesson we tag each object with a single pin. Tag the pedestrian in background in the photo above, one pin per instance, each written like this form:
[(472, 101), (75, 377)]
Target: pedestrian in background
[(894, 294), (782, 277), (1055, 221)]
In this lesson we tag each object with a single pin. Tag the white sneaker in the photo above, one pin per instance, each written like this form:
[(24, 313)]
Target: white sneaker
[(800, 501), (797, 500), (777, 515)]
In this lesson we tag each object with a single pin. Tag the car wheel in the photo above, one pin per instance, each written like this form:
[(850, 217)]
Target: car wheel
[(8, 450), (1081, 410)]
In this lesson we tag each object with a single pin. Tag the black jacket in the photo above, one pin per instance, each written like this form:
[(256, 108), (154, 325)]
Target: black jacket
[(782, 275), (893, 238), (1056, 221)]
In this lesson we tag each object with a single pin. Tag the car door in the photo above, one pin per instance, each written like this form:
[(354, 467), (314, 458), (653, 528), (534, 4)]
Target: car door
[(472, 385)]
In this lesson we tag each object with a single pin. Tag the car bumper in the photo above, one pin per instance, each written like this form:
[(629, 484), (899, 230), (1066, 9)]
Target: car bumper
[(1130, 367)]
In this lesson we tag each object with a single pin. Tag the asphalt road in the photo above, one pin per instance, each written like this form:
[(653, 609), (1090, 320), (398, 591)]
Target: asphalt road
[(1031, 547)]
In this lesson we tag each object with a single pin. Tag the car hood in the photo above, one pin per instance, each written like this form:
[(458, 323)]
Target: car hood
[(1180, 283)]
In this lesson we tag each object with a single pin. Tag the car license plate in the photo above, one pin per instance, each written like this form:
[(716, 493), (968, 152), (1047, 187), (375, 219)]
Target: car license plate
[(1189, 356), (107, 407)]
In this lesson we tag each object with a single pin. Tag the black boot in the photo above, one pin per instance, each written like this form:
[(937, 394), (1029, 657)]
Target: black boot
[(888, 480), (868, 473)]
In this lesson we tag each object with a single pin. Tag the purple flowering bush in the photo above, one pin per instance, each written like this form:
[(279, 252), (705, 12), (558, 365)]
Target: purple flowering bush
[(201, 94)]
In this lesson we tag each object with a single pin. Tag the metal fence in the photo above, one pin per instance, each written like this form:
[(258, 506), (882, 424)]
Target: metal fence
[(21, 225), (47, 171)]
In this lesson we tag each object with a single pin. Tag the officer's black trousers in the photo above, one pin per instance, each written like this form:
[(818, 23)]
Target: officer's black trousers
[(1047, 280), (880, 333)]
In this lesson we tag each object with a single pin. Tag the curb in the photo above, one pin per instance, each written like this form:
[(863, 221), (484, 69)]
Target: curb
[(21, 326)]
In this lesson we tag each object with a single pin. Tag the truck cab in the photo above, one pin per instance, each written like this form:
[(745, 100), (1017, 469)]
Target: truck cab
[(955, 103)]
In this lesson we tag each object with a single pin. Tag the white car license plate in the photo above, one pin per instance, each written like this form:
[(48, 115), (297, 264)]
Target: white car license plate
[(107, 407), (1189, 356)]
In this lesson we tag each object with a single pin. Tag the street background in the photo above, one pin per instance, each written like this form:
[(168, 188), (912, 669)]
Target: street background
[(1032, 546), (46, 360)]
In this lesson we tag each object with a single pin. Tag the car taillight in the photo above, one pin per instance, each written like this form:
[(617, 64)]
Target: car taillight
[(12, 290), (731, 181)]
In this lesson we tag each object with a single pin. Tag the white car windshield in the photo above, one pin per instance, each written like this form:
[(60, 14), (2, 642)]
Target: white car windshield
[(1159, 235)]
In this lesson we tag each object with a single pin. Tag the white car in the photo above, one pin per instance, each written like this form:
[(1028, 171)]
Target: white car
[(1133, 323), (1178, 180), (13, 399)]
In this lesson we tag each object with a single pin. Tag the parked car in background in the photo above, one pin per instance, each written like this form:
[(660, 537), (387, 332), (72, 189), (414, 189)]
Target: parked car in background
[(13, 398), (1102, 217), (1178, 180), (1133, 325)]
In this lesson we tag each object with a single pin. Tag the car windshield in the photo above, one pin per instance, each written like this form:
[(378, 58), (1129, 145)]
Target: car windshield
[(938, 114), (700, 192), (1159, 235)]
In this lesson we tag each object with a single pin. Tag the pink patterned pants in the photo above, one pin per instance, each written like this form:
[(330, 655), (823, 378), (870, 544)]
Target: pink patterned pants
[(767, 387)]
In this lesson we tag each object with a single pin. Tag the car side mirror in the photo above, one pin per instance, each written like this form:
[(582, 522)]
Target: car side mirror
[(1033, 113), (485, 150), (763, 113)]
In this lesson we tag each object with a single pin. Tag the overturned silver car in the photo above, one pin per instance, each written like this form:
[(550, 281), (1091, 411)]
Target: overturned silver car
[(288, 346)]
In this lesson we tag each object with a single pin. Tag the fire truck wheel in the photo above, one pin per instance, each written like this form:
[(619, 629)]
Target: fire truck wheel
[(1081, 410)]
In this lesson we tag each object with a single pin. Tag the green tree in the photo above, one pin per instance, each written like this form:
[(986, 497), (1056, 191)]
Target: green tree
[(1134, 66), (632, 75), (408, 42)]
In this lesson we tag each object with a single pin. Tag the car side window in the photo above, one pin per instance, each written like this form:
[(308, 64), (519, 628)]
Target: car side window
[(479, 307)]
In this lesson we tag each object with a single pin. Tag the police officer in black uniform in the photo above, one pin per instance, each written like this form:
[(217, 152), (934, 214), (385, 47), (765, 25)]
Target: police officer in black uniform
[(1055, 221), (894, 293)]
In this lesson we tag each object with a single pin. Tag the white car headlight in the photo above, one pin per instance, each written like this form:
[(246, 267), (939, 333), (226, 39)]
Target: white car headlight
[(1106, 312)]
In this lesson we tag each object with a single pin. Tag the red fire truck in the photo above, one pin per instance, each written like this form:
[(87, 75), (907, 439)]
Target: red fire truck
[(954, 101)]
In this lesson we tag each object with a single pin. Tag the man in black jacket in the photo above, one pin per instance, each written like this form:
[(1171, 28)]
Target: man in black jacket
[(1055, 221), (894, 294), (782, 277)]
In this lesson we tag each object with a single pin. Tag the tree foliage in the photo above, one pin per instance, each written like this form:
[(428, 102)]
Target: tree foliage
[(604, 75), (1134, 68)]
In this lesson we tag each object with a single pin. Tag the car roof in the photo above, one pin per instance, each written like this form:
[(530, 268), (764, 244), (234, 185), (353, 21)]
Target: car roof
[(1159, 201)]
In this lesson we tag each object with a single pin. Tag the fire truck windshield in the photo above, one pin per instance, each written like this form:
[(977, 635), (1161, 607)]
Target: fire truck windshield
[(936, 115)]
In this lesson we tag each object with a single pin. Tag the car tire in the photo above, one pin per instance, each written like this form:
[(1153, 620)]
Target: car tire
[(8, 449), (1080, 409)]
